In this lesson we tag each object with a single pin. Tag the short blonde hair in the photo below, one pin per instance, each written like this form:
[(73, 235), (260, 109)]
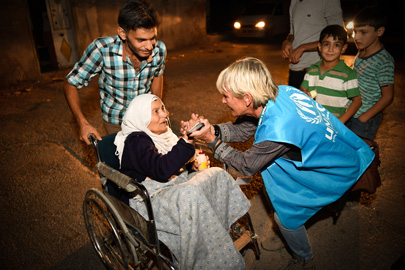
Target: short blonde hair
[(248, 75)]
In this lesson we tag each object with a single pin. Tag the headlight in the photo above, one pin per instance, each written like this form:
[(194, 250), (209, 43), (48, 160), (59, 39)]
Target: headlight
[(349, 25), (236, 25), (260, 24)]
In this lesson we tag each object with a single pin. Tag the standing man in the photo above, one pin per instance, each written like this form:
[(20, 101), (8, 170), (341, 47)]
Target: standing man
[(307, 19), (128, 64)]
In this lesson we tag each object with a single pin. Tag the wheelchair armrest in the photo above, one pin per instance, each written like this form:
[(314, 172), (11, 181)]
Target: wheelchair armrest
[(126, 183), (123, 181)]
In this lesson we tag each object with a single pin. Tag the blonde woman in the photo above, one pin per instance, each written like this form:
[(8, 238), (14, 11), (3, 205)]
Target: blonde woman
[(307, 157)]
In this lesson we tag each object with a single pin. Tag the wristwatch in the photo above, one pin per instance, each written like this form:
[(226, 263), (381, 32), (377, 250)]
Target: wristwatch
[(212, 144), (217, 131)]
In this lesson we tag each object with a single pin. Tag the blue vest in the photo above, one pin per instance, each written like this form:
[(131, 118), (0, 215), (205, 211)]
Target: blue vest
[(333, 157)]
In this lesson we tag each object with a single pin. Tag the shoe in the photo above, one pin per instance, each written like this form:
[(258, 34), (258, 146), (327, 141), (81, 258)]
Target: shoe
[(297, 264), (273, 243)]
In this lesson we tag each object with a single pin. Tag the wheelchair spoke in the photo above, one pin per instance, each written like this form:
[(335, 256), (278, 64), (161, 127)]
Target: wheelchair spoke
[(107, 237), (115, 257), (119, 247)]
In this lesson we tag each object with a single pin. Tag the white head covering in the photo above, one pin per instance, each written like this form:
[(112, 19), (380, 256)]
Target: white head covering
[(137, 118)]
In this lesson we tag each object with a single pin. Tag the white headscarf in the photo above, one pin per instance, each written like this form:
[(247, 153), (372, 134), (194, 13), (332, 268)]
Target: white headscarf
[(137, 118)]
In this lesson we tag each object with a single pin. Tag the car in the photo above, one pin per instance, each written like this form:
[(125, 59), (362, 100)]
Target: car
[(262, 20)]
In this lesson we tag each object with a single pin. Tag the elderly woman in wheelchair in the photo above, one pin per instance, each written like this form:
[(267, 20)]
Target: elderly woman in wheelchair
[(194, 210)]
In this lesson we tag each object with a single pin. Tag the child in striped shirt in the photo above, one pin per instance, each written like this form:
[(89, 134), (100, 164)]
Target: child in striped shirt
[(375, 70), (330, 81)]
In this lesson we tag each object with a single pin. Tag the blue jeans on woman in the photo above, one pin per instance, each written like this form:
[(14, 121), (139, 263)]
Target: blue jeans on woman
[(297, 240)]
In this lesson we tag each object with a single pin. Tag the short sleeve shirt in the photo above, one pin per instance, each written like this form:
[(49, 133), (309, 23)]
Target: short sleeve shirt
[(334, 87), (119, 82), (307, 19), (373, 72)]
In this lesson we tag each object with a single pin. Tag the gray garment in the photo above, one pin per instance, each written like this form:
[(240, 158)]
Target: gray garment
[(193, 214), (259, 156), (307, 19)]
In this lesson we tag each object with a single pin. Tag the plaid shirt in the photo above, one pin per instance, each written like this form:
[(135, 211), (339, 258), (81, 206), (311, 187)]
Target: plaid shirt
[(119, 82)]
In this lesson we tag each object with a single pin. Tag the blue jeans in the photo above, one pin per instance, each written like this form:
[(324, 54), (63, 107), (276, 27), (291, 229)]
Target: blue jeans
[(297, 240), (366, 130)]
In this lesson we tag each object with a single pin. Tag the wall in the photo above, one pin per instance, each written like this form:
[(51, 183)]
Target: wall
[(18, 56), (182, 23)]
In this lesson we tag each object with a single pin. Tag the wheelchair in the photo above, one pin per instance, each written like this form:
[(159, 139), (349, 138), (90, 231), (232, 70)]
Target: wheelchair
[(124, 239)]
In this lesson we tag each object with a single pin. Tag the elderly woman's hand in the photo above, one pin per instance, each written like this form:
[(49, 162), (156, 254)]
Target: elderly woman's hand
[(206, 133), (196, 165), (186, 125)]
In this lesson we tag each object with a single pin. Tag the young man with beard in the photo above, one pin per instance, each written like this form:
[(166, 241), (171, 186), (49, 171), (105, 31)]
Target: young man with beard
[(128, 64)]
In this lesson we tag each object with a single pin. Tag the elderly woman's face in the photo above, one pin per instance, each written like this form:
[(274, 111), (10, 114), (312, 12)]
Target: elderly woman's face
[(158, 121), (237, 105)]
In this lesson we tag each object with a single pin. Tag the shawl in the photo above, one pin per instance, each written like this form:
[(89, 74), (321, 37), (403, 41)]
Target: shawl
[(137, 118)]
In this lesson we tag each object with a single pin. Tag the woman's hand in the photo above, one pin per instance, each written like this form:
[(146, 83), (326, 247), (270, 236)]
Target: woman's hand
[(186, 125), (187, 138), (196, 165), (206, 133)]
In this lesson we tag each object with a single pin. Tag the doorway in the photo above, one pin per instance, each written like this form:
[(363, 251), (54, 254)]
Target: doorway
[(54, 33), (42, 34)]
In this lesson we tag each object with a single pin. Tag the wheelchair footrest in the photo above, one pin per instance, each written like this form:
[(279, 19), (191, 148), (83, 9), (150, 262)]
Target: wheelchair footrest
[(243, 240)]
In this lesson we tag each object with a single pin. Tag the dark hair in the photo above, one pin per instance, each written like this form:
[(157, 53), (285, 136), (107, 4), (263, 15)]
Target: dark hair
[(137, 14), (370, 16), (335, 31)]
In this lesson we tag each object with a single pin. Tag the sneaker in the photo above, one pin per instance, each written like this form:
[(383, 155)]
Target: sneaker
[(297, 264)]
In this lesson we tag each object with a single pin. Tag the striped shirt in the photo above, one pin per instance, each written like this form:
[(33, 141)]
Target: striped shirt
[(334, 87), (119, 82), (374, 72)]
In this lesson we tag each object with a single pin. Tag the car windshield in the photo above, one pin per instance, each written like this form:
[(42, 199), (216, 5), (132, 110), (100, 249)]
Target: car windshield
[(259, 9)]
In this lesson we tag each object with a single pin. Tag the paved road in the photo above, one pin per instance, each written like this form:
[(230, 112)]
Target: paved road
[(46, 170)]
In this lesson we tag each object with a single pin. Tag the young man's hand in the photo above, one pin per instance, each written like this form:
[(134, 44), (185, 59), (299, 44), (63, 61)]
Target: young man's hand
[(86, 130)]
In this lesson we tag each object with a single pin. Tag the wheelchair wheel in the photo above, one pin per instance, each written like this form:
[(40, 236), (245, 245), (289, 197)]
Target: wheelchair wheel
[(244, 236), (107, 232)]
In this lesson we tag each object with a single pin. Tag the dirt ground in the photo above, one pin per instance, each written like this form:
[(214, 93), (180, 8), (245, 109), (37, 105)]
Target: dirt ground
[(46, 170)]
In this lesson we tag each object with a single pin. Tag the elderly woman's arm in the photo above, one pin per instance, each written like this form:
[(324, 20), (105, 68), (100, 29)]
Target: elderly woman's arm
[(141, 159)]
